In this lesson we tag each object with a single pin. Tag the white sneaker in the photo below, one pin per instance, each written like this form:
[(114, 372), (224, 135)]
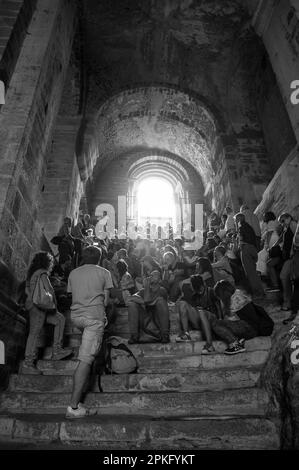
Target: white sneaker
[(80, 412)]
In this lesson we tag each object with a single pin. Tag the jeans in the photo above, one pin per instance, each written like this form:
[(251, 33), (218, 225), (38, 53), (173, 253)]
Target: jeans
[(37, 319)]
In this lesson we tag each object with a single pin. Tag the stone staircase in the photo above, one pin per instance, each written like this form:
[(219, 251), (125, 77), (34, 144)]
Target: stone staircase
[(179, 399)]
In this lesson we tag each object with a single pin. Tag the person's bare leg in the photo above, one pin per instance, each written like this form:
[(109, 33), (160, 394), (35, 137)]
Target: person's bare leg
[(206, 327), (79, 382), (188, 316)]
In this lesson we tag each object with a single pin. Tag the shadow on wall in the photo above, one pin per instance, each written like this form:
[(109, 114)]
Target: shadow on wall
[(8, 283)]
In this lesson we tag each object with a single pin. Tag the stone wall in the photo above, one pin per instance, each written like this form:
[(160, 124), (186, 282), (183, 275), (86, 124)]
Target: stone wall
[(282, 194), (277, 22), (13, 332), (15, 16), (277, 129), (26, 122), (62, 184)]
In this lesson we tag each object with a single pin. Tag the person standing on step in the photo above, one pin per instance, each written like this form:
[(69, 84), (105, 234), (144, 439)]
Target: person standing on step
[(249, 255), (90, 286), (253, 221), (289, 228), (38, 278)]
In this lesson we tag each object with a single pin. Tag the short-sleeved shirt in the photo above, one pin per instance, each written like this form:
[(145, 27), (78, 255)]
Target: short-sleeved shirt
[(87, 285)]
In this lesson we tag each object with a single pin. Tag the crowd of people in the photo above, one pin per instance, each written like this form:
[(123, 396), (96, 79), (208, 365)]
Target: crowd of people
[(215, 288)]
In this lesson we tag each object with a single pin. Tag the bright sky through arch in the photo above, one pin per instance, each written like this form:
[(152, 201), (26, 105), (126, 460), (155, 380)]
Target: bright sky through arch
[(155, 198)]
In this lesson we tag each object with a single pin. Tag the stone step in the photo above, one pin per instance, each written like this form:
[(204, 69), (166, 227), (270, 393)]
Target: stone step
[(234, 402), (121, 327), (218, 379), (129, 432), (169, 363), (192, 347)]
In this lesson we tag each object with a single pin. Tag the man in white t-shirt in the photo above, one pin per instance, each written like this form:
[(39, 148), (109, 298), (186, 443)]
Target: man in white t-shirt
[(89, 285)]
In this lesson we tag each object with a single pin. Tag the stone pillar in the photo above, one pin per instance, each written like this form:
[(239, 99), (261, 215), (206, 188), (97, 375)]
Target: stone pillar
[(277, 22), (26, 122)]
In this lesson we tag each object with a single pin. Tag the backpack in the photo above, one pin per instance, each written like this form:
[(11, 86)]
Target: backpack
[(119, 358), (266, 324)]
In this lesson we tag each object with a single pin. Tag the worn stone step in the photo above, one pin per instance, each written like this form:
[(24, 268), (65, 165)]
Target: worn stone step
[(130, 432), (192, 347), (234, 402), (169, 363), (204, 380)]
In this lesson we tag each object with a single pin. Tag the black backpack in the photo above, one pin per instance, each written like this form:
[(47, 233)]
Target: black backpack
[(266, 324)]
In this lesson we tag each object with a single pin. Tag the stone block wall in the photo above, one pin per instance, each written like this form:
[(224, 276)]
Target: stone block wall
[(277, 128), (62, 184), (15, 17), (13, 329), (26, 123), (282, 194), (277, 22)]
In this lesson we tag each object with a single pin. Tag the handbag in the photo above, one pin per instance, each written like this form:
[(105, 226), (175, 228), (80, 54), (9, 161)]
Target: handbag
[(41, 297)]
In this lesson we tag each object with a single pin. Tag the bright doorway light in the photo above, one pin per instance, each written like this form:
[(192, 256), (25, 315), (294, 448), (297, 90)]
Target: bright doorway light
[(155, 201)]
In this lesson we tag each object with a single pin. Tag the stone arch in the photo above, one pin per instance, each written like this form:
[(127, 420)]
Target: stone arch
[(139, 119), (159, 166)]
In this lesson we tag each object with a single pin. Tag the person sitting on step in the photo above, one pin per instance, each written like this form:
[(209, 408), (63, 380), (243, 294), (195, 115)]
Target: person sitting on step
[(150, 303), (204, 268), (38, 272), (90, 286), (173, 275), (241, 320), (221, 266), (196, 308)]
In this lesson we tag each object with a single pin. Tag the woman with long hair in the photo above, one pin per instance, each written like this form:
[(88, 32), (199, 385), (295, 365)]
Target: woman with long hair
[(38, 272)]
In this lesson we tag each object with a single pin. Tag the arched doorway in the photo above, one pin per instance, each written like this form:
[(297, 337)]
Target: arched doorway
[(155, 202)]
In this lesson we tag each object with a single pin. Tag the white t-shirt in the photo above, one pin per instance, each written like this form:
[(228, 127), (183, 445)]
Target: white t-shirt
[(87, 285)]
